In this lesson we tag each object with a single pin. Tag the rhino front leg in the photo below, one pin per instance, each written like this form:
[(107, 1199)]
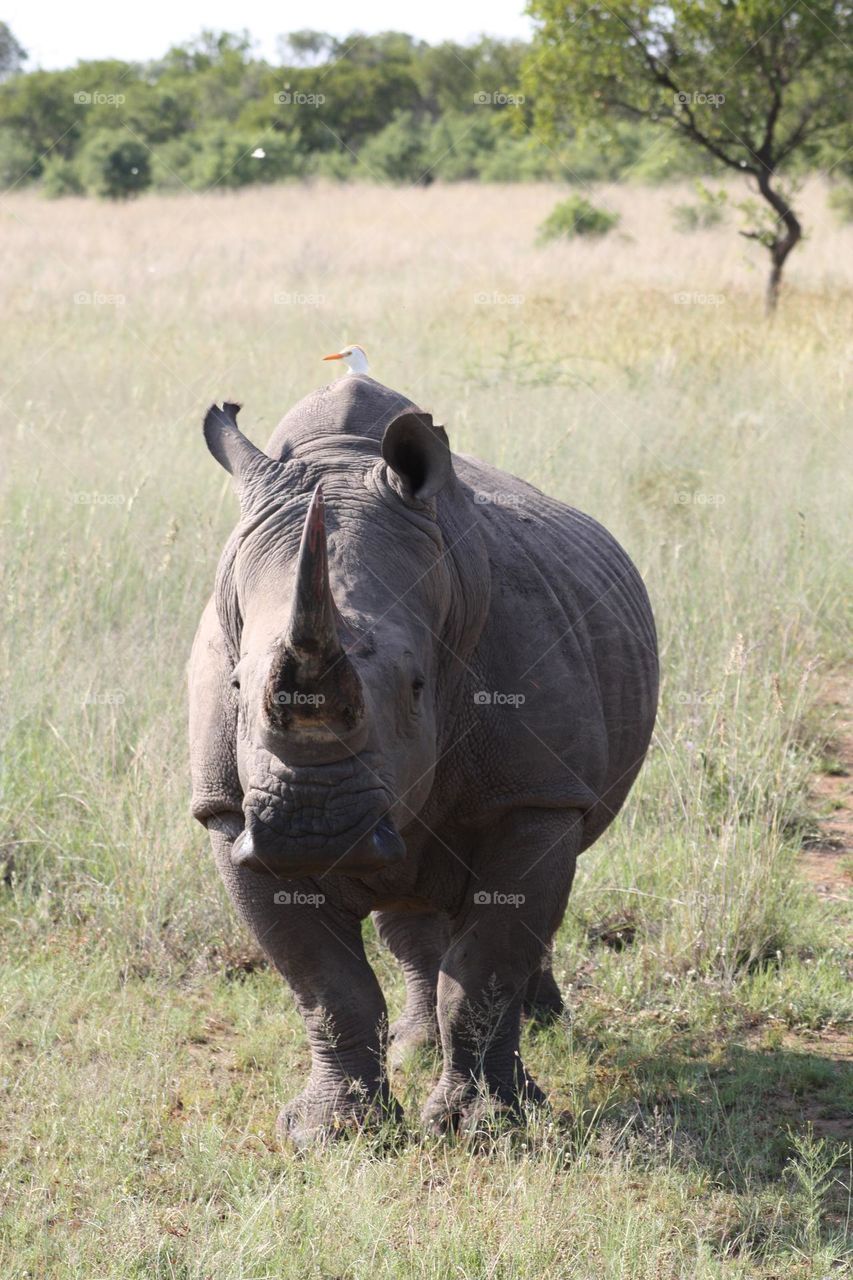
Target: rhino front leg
[(418, 941), (498, 943), (318, 948)]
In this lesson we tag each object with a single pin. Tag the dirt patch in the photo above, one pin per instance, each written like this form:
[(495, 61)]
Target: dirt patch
[(827, 862)]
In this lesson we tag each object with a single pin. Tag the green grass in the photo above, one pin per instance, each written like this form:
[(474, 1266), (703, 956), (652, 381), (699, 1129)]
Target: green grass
[(701, 1080)]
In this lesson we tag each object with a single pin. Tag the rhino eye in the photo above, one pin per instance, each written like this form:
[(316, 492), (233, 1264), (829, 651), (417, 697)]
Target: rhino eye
[(418, 686)]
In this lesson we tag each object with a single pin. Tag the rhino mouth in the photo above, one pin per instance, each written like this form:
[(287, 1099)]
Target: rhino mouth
[(297, 825)]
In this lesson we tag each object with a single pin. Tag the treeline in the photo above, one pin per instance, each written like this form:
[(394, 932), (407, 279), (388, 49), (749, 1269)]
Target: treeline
[(387, 108)]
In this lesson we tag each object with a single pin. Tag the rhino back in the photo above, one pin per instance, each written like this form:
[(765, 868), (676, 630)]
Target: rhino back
[(570, 641)]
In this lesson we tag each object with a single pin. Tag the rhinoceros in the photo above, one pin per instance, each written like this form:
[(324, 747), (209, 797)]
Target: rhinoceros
[(421, 688)]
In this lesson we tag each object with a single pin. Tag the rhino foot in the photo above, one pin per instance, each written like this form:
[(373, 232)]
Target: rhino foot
[(408, 1035), (316, 1118), (471, 1108), (543, 1003)]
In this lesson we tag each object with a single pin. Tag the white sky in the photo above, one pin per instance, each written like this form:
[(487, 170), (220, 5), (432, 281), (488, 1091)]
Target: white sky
[(58, 34)]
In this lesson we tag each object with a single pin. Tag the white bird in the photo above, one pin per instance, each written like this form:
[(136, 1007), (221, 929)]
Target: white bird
[(353, 356)]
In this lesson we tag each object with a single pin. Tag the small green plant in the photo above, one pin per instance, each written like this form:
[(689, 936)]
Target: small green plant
[(841, 202), (812, 1168), (576, 216), (708, 211)]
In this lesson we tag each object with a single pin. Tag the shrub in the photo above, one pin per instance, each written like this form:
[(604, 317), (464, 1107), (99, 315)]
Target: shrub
[(708, 211), (398, 153), (114, 165), (223, 159), (576, 217), (60, 178), (841, 203), (18, 165)]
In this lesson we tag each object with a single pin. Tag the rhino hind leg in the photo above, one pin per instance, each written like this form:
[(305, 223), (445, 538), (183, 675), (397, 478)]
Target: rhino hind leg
[(543, 1002), (498, 943), (418, 942)]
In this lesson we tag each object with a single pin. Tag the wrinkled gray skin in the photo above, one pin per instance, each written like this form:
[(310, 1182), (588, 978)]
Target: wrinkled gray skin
[(355, 769)]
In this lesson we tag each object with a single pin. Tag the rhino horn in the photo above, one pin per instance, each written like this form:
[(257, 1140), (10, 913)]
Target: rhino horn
[(314, 688), (313, 626)]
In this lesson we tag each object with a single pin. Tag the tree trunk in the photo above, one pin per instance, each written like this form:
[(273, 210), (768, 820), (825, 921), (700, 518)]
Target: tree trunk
[(782, 244)]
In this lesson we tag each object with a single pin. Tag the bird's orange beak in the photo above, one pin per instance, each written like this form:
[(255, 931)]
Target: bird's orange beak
[(338, 355)]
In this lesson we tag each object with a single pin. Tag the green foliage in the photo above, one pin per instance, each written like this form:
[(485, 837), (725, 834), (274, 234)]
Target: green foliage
[(16, 166), (753, 89), (841, 202), (386, 106), (12, 54), (708, 211), (719, 75), (400, 153), (576, 216), (114, 165), (60, 177)]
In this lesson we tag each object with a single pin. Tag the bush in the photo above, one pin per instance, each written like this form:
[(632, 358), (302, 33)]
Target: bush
[(223, 159), (399, 153), (709, 211), (60, 178), (114, 165), (576, 217), (18, 165)]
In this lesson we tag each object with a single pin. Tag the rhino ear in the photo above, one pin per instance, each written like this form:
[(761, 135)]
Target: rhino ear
[(233, 451), (418, 453)]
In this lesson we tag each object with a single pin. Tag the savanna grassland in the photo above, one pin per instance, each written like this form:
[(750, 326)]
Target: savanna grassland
[(702, 1078)]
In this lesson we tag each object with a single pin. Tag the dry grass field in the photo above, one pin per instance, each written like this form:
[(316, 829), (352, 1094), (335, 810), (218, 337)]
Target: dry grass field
[(702, 1079)]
